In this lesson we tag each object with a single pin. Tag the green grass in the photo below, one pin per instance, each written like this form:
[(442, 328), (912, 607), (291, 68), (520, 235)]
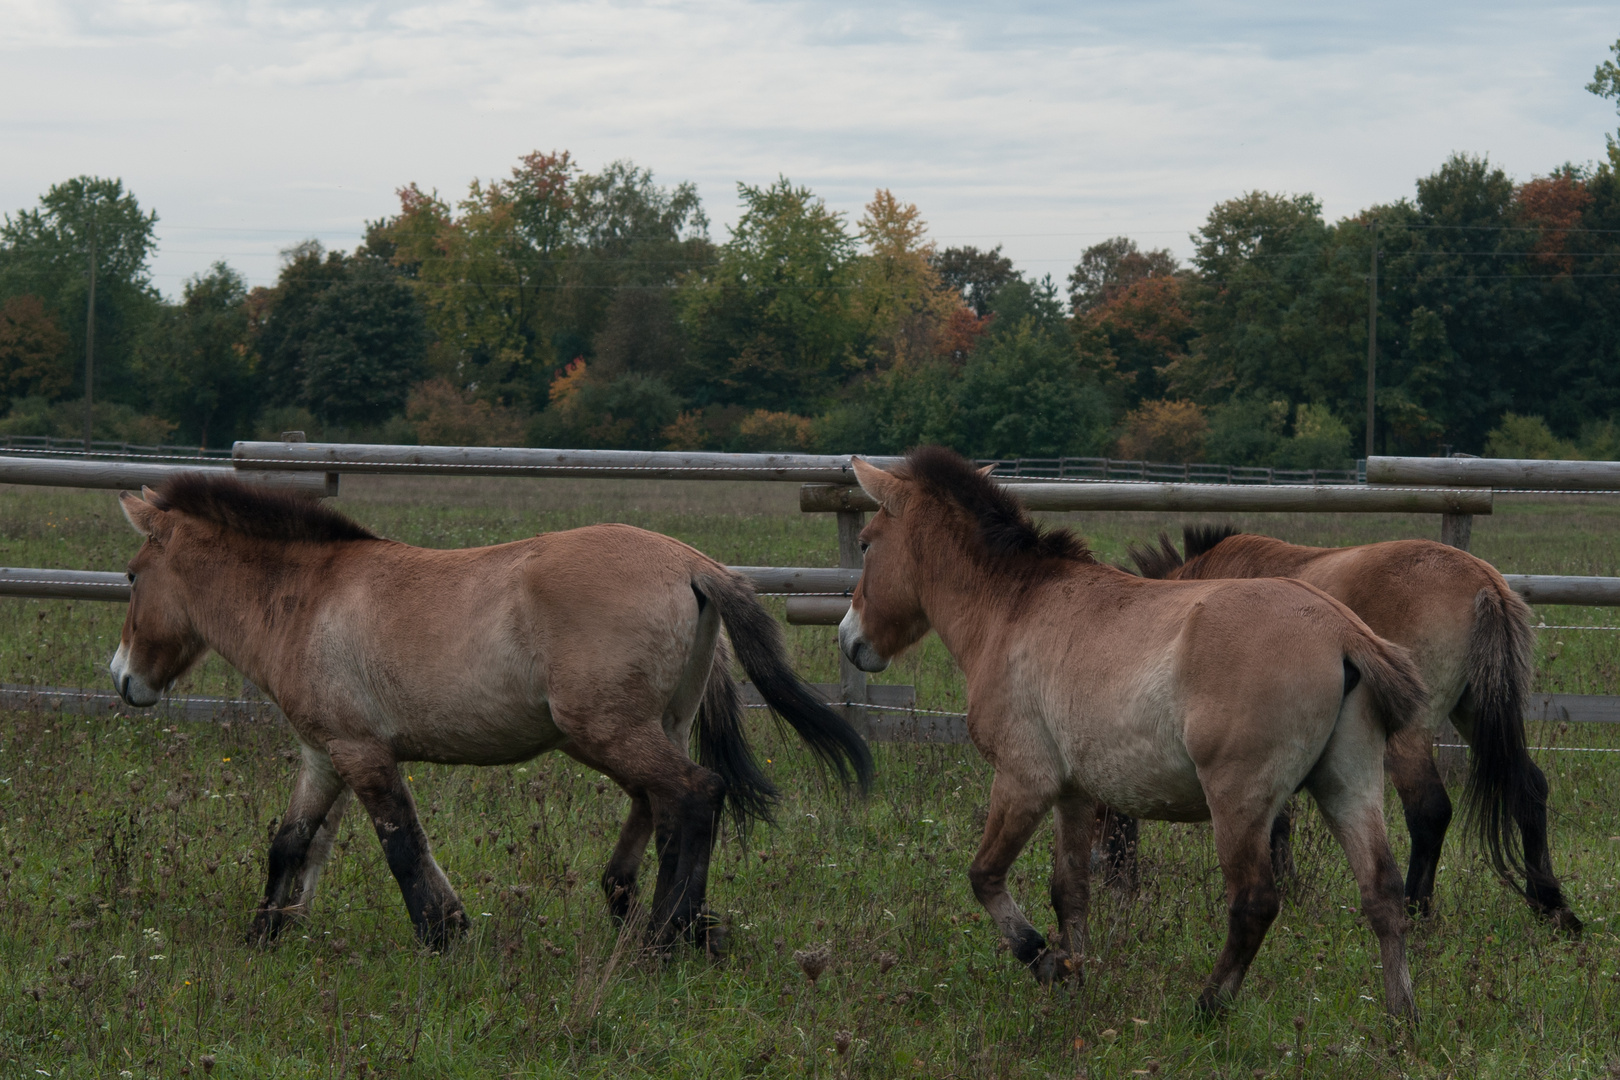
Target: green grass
[(132, 853)]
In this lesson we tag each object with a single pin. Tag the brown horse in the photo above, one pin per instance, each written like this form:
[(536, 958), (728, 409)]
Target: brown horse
[(1470, 636), (601, 642), (1182, 701)]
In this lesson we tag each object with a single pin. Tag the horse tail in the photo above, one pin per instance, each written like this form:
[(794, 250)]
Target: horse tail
[(723, 746), (757, 641), (1504, 784), (1393, 680)]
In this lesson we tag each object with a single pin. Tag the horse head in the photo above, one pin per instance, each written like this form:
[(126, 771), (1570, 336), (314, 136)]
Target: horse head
[(159, 642), (885, 614)]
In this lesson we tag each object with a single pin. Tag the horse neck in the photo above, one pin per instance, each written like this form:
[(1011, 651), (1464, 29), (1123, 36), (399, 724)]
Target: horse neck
[(968, 604), (234, 588)]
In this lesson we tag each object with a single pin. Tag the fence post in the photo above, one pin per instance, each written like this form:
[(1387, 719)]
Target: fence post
[(851, 679), (1456, 529)]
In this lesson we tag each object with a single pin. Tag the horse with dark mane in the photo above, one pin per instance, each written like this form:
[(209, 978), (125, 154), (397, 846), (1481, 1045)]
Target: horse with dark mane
[(1183, 701), (601, 642), (1470, 636)]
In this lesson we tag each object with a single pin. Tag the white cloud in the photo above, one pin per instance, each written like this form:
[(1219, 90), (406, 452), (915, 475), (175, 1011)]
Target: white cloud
[(249, 125)]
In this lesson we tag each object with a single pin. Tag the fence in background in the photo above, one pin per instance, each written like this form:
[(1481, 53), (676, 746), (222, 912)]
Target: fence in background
[(819, 595)]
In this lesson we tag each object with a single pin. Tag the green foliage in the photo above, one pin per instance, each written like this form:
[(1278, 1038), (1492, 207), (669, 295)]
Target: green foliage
[(772, 324), (1320, 441), (341, 336), (196, 359), (1023, 394), (975, 275), (33, 352), (112, 421), (1246, 431), (46, 252), (588, 412), (1527, 437)]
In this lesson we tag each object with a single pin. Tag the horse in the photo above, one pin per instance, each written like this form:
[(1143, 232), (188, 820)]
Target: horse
[(1470, 636), (601, 642), (1181, 701)]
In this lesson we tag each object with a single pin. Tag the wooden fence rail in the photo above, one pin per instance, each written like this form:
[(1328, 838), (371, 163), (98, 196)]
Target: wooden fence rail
[(130, 475), (1522, 474)]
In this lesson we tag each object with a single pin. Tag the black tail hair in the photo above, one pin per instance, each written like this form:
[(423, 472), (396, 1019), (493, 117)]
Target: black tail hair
[(1504, 785), (723, 746), (757, 640), (1164, 560)]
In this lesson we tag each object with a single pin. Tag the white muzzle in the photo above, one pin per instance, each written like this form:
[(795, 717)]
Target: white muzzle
[(130, 686), (852, 640)]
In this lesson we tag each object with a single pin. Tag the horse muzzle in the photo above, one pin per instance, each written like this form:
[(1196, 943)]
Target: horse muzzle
[(130, 686), (852, 640)]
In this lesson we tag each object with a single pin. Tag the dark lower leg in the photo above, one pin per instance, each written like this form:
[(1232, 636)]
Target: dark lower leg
[(1541, 884), (1282, 845), (619, 879), (371, 771), (1120, 835), (1251, 907), (1427, 808), (317, 789), (678, 909)]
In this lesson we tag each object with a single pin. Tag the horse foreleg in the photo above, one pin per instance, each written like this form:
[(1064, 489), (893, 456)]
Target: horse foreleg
[(1074, 825), (371, 771), (619, 879), (1411, 768), (299, 846), (1016, 809)]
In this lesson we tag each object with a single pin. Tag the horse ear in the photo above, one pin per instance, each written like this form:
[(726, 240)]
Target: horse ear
[(142, 515), (889, 490), (988, 470)]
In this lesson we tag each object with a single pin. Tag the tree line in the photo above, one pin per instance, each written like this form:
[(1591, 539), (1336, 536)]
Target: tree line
[(560, 307)]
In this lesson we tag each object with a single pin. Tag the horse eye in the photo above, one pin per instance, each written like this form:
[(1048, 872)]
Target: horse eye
[(864, 546), (131, 575)]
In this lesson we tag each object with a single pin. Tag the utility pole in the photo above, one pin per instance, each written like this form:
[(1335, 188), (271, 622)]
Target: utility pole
[(90, 342), (1372, 334)]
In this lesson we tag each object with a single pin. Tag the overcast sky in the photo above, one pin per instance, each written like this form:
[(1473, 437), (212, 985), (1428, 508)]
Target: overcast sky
[(252, 124)]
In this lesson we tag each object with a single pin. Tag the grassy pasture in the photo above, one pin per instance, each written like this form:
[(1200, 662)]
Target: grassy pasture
[(131, 855)]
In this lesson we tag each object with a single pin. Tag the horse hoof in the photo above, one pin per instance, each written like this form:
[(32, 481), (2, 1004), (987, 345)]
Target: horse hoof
[(1566, 922), (1055, 965), (1212, 1004)]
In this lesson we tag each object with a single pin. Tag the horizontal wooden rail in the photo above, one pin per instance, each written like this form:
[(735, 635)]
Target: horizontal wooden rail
[(1521, 473), (130, 475), (1198, 498), (518, 461), (1557, 589), (106, 585)]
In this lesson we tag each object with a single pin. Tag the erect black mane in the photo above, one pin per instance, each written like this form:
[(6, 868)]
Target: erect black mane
[(257, 512), (1163, 560), (1009, 538)]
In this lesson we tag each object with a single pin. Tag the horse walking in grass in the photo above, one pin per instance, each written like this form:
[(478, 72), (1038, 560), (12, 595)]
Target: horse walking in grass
[(1470, 636), (601, 642), (1180, 701)]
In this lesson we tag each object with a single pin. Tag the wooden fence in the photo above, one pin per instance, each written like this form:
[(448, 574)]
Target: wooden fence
[(819, 595)]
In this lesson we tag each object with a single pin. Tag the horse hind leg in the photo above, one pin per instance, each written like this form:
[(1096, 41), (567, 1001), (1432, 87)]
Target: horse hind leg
[(1242, 824), (299, 847), (1427, 807), (1348, 788), (370, 770), (619, 878)]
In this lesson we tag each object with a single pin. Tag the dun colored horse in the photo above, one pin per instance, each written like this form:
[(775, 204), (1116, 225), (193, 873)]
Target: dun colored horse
[(1182, 701), (1470, 636), (601, 642)]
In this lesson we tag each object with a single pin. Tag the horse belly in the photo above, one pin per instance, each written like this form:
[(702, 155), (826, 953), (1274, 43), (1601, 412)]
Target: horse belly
[(1141, 766)]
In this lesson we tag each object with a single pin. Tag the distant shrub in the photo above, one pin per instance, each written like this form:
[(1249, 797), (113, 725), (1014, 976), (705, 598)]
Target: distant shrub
[(1527, 437), (444, 415), (1164, 431)]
